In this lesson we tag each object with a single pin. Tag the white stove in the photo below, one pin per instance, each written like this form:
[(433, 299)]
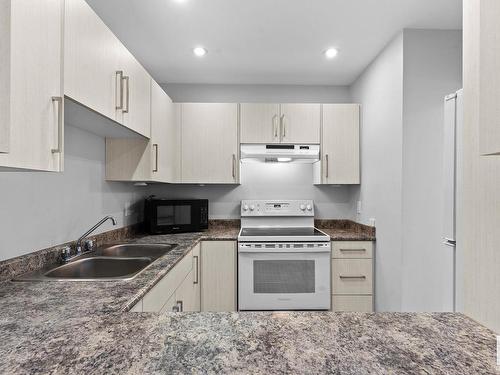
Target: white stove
[(283, 261)]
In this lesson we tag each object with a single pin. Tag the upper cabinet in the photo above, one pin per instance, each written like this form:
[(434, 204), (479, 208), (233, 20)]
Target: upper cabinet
[(260, 123), (209, 143), (280, 123), (300, 123), (339, 145), (31, 105), (100, 73), (155, 160)]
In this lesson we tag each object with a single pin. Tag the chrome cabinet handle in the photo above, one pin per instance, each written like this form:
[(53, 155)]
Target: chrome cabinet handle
[(127, 79), (284, 126), (119, 96), (59, 101), (178, 307), (275, 126), (195, 281), (233, 170), (155, 145), (362, 277), (326, 167), (351, 250)]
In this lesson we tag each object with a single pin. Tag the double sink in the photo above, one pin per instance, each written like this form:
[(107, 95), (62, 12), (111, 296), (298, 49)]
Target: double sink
[(113, 262)]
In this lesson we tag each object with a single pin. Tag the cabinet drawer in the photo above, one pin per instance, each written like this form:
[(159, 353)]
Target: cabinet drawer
[(352, 303), (352, 276), (156, 298), (352, 249)]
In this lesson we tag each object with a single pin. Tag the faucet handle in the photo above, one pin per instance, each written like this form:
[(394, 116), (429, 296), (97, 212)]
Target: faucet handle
[(65, 254), (88, 245)]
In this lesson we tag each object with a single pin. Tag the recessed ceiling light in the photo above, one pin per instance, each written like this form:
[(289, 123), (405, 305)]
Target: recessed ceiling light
[(199, 51), (330, 53)]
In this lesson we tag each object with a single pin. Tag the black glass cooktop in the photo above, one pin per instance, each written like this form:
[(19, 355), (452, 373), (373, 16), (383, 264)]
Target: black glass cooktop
[(281, 232)]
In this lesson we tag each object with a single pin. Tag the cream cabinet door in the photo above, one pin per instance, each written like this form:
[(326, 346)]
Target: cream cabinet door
[(300, 123), (31, 106), (209, 143), (218, 276), (92, 61), (259, 123), (136, 94), (340, 144)]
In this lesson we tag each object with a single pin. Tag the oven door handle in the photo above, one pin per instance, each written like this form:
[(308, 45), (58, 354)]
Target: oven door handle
[(283, 251)]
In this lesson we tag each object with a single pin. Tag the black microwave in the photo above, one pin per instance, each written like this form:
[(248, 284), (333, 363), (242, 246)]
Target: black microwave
[(175, 216)]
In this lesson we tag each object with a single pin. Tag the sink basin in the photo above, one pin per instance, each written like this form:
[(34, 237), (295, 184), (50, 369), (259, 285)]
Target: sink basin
[(100, 268), (153, 251), (112, 262)]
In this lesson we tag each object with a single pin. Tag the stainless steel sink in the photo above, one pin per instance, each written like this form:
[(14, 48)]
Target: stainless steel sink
[(100, 268), (153, 251), (111, 262)]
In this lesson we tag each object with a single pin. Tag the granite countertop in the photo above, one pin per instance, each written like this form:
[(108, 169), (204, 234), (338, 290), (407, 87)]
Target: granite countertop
[(85, 327)]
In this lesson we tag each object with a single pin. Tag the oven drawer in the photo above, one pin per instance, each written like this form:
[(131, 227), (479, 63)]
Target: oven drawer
[(352, 276), (352, 249)]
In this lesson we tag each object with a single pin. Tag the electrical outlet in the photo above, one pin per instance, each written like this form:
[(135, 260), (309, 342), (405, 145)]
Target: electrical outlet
[(372, 222), (359, 207), (129, 209)]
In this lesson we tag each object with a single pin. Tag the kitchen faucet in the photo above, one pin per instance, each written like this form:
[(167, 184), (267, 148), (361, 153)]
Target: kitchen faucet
[(87, 233)]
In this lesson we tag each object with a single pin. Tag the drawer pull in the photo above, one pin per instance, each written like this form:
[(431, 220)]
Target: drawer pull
[(351, 250), (361, 277)]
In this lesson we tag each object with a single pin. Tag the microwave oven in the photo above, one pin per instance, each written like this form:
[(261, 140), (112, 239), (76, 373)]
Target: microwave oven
[(162, 216)]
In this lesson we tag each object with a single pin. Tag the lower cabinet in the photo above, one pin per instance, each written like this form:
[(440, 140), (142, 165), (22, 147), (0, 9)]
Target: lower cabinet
[(204, 280), (352, 276), (218, 276)]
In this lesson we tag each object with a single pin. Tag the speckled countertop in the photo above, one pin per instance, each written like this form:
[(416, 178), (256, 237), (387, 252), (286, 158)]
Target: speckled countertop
[(84, 327)]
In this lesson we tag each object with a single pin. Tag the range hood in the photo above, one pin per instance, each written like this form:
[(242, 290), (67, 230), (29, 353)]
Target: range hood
[(276, 153)]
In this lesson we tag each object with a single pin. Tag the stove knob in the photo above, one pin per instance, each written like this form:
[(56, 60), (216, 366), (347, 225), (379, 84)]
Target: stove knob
[(302, 207), (245, 207), (309, 207), (252, 207)]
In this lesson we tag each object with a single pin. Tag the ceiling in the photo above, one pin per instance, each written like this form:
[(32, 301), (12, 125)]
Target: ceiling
[(266, 41)]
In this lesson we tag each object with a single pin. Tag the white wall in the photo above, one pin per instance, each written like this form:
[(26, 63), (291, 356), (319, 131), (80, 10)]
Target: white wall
[(380, 91), (268, 181), (432, 69), (41, 209), (257, 93)]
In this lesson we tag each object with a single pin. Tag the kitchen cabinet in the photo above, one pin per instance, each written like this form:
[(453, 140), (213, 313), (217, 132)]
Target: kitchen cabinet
[(300, 123), (352, 276), (484, 33), (157, 159), (280, 123), (31, 104), (100, 73), (260, 123), (209, 143), (218, 276), (339, 145)]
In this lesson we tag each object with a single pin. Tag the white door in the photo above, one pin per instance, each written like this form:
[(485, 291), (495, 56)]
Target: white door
[(259, 123), (35, 92), (340, 144), (300, 123), (209, 143)]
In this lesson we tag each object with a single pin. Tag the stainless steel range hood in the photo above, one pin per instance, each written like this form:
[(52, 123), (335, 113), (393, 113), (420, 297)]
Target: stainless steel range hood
[(275, 153)]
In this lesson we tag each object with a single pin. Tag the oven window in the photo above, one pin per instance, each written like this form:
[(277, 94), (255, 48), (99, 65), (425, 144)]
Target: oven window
[(174, 215), (283, 276)]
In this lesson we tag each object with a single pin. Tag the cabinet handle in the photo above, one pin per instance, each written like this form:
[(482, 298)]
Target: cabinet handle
[(59, 101), (119, 97), (233, 170), (127, 79), (361, 277), (326, 161), (155, 145), (275, 126), (282, 127), (195, 257), (178, 307), (351, 250)]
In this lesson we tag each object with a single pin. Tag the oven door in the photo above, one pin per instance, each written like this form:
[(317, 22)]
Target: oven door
[(283, 280)]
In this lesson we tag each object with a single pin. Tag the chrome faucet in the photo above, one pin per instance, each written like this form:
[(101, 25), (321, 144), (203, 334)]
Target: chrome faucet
[(79, 249)]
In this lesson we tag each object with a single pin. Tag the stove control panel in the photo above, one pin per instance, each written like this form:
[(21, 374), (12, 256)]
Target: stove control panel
[(277, 208)]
